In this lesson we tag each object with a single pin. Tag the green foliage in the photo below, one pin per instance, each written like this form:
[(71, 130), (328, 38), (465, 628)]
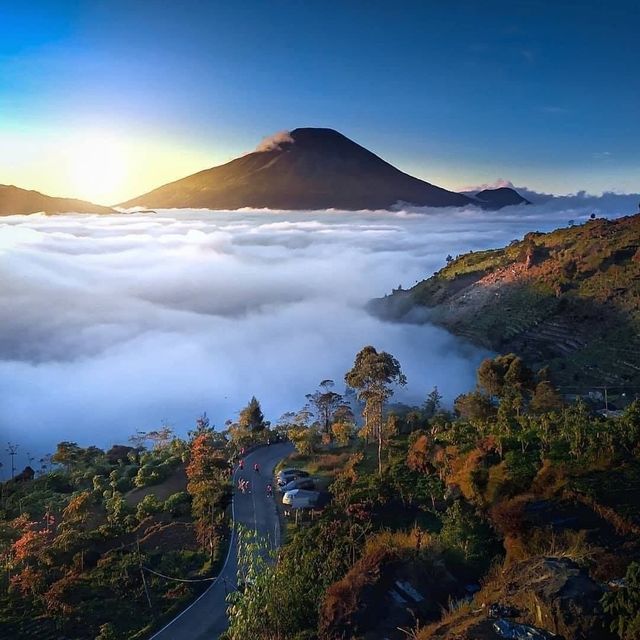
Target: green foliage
[(522, 468), (623, 605), (372, 376), (475, 407), (148, 506), (251, 417), (280, 600), (433, 403), (156, 467), (305, 439), (325, 402), (577, 288), (413, 487), (178, 504), (342, 432), (464, 532)]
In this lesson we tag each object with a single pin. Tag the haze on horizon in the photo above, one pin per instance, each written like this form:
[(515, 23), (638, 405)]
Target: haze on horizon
[(104, 101), (198, 312)]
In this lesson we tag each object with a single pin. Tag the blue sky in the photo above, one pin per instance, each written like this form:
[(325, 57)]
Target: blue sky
[(545, 94)]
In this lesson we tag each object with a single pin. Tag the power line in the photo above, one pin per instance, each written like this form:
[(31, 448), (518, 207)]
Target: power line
[(162, 575)]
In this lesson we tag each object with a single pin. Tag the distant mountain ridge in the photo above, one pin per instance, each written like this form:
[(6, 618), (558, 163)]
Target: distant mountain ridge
[(16, 201), (500, 197), (569, 299), (305, 169)]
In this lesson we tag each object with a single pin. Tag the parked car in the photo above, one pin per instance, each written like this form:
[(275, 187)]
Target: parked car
[(287, 475), (301, 499), (298, 483)]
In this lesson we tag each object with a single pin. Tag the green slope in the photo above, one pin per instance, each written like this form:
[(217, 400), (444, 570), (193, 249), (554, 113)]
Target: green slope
[(569, 299)]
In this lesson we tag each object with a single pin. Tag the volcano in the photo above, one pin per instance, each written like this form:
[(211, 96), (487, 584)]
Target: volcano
[(303, 169)]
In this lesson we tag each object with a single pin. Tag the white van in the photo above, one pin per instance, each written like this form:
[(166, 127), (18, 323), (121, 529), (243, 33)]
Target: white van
[(301, 499)]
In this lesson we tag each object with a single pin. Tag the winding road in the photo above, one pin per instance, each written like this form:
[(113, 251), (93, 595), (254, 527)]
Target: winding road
[(206, 617)]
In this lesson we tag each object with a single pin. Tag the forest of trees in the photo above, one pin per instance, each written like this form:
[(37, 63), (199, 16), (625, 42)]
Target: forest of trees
[(440, 497), (443, 495)]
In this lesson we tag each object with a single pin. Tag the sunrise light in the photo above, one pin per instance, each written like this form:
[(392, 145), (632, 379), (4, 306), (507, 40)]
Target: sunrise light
[(97, 167)]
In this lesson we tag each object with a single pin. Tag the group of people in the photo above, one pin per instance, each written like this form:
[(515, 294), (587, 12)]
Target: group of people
[(256, 466), (243, 483)]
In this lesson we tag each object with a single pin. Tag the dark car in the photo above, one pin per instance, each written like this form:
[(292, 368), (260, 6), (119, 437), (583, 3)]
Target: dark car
[(287, 475), (297, 483)]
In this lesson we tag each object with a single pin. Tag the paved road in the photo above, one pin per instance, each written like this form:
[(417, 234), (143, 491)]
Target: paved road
[(206, 618)]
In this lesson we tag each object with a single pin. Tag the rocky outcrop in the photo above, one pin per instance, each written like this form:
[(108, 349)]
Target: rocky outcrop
[(558, 595), (384, 591), (552, 596)]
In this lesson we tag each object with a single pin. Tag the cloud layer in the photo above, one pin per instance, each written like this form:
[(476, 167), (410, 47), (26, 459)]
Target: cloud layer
[(110, 324)]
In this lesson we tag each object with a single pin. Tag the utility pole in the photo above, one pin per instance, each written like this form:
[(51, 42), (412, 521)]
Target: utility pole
[(144, 580), (12, 450), (606, 400)]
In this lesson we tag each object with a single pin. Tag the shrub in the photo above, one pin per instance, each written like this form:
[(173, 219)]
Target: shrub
[(522, 468), (148, 506), (342, 432), (466, 534), (150, 474), (178, 504), (624, 605)]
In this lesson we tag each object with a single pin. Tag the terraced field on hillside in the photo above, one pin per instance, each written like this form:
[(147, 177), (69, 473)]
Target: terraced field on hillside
[(569, 299)]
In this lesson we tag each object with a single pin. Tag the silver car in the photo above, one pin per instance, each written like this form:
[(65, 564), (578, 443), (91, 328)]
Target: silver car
[(297, 483), (287, 475)]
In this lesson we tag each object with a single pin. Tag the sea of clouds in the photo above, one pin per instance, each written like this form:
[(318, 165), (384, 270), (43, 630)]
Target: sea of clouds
[(113, 324)]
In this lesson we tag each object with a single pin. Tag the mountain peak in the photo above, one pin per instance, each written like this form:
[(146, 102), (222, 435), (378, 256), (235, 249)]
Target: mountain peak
[(500, 197), (306, 168)]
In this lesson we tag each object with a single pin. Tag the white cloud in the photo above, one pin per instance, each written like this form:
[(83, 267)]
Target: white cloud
[(273, 142), (110, 324)]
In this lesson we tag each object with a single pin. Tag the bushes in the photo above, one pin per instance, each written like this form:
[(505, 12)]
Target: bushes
[(178, 504), (469, 536), (522, 468), (148, 506), (342, 432), (624, 605), (153, 472), (305, 439)]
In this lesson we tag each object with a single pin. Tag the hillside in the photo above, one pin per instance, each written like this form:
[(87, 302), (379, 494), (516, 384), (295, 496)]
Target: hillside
[(305, 169), (16, 201), (569, 299)]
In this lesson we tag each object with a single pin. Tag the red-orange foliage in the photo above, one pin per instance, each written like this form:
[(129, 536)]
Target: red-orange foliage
[(63, 595), (28, 581), (207, 483), (77, 511), (508, 516), (30, 544), (418, 455)]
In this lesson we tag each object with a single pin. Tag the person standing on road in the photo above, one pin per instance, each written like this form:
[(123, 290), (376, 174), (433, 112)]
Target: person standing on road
[(256, 467)]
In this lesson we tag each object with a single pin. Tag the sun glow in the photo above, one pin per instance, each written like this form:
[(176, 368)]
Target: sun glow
[(97, 167)]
